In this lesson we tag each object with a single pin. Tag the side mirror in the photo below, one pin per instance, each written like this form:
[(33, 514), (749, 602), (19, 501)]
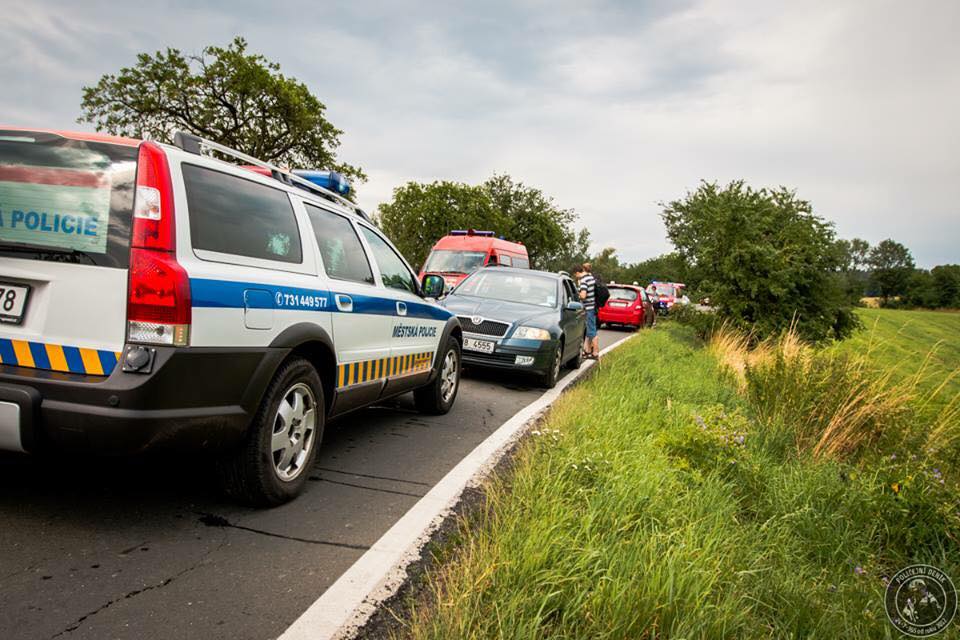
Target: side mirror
[(574, 306), (432, 286)]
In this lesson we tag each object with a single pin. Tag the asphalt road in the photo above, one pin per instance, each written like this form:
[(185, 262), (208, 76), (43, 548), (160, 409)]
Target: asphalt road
[(146, 548)]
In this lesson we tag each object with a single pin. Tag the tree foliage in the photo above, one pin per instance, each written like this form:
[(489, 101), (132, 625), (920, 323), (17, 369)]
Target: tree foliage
[(224, 94), (763, 257), (938, 288), (420, 214), (892, 267)]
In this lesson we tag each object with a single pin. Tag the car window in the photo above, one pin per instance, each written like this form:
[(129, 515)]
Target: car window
[(66, 200), (340, 247), (571, 291), (622, 293), (448, 261), (240, 217), (521, 263), (505, 260), (512, 286), (393, 271)]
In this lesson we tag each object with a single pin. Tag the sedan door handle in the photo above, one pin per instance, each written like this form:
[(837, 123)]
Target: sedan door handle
[(344, 302), (401, 308)]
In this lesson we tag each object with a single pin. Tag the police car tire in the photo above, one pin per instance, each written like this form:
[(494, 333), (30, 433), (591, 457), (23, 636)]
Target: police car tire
[(429, 399), (247, 474)]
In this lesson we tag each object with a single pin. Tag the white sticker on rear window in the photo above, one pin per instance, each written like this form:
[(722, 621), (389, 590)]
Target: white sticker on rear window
[(53, 207)]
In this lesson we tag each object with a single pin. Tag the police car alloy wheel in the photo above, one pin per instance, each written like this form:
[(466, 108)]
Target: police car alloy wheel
[(449, 376), (437, 397), (294, 431)]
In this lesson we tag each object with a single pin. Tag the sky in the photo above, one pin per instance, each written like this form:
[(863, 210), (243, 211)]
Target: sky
[(610, 108)]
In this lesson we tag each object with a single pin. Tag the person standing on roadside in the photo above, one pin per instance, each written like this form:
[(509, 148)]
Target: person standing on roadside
[(587, 285)]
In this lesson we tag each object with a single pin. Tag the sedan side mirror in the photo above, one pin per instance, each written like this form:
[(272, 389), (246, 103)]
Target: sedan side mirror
[(432, 286), (574, 306)]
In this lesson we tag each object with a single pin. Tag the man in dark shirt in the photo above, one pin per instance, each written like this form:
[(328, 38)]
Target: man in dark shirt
[(588, 296)]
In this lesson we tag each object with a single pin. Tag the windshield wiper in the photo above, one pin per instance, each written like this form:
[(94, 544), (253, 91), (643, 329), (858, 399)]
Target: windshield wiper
[(52, 254)]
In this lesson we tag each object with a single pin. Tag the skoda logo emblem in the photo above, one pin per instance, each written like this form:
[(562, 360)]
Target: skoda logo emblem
[(476, 319), (920, 601)]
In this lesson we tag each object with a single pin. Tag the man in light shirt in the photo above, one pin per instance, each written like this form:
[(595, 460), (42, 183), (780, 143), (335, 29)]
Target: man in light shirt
[(588, 287)]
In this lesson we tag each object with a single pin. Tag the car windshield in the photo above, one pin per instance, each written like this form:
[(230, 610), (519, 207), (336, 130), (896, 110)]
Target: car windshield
[(665, 289), (512, 287), (617, 293), (446, 261)]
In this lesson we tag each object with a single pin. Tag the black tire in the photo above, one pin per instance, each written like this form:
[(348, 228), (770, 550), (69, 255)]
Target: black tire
[(575, 362), (250, 473), (435, 399), (552, 374)]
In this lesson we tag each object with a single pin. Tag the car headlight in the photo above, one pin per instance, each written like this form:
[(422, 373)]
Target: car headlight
[(531, 333)]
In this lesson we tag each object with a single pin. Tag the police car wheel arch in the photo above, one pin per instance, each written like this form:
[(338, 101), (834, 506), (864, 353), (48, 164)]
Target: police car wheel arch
[(250, 472)]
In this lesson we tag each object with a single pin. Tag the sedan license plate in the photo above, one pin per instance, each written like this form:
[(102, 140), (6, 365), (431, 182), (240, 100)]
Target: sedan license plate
[(485, 346), (13, 302)]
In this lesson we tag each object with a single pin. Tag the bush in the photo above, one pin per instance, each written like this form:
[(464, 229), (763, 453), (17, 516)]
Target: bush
[(764, 258)]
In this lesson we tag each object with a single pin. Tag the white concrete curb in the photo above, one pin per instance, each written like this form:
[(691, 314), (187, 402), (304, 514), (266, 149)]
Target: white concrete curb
[(381, 570)]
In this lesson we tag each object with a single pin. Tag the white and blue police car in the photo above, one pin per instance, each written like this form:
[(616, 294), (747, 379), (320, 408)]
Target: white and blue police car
[(153, 295)]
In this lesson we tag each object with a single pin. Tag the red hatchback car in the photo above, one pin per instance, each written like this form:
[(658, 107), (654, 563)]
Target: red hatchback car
[(628, 306)]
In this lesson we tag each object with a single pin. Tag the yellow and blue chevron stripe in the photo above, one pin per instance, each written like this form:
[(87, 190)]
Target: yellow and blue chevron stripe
[(352, 373), (57, 357)]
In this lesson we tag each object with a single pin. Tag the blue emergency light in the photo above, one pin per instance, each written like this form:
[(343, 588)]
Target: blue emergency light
[(471, 232), (329, 180)]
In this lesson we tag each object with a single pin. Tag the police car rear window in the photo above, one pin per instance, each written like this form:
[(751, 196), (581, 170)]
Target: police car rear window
[(65, 200), (240, 217)]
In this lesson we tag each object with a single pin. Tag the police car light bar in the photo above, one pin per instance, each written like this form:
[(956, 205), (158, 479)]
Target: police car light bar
[(471, 232), (330, 180), (195, 144)]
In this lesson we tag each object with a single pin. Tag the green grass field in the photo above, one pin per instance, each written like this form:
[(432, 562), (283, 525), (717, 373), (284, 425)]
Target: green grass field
[(902, 340), (656, 502)]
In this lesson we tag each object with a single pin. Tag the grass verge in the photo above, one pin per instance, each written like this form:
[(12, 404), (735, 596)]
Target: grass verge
[(655, 503)]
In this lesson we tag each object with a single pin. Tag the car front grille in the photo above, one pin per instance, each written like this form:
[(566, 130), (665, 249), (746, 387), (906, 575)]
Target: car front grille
[(485, 327), (498, 358)]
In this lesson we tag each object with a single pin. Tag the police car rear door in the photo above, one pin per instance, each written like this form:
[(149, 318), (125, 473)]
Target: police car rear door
[(362, 318), (66, 206), (417, 325)]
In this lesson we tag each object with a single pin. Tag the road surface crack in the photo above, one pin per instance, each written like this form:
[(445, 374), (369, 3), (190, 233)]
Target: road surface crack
[(132, 594), (363, 486), (213, 520), (366, 475)]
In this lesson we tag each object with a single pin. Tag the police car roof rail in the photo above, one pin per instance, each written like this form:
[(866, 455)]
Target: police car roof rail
[(192, 143)]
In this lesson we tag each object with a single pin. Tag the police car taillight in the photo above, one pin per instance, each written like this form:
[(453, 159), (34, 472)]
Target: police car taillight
[(158, 296)]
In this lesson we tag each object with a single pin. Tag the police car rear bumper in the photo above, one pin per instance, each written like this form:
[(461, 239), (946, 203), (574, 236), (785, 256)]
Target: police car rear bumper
[(197, 398)]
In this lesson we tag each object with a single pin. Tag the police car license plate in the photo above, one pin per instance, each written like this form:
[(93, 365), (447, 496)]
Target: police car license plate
[(13, 301), (485, 346)]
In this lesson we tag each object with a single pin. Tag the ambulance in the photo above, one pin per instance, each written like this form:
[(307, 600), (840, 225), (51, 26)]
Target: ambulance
[(153, 295), (462, 252)]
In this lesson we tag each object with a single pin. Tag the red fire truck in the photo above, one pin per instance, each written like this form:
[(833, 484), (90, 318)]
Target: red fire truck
[(458, 254)]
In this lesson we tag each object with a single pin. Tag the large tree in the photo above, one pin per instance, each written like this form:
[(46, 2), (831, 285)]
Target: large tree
[(763, 257), (224, 94), (532, 218), (891, 268)]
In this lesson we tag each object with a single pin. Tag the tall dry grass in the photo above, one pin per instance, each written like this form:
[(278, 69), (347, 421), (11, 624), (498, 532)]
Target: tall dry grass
[(834, 404)]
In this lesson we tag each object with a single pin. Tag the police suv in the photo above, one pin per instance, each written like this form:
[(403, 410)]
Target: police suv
[(155, 295)]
